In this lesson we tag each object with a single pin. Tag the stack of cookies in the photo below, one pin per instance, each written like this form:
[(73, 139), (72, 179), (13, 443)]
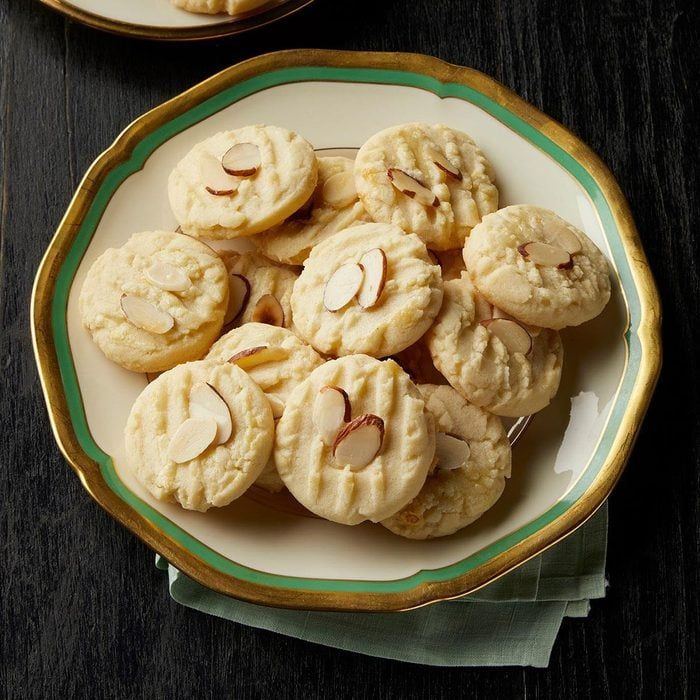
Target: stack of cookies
[(348, 330)]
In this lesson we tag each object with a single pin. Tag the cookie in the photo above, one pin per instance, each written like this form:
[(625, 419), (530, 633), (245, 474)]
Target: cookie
[(156, 301), (199, 435), (260, 290), (274, 173), (293, 359), (537, 267), (368, 289), (214, 7), (354, 442), (427, 179), (293, 363), (494, 362), (333, 207), (473, 460)]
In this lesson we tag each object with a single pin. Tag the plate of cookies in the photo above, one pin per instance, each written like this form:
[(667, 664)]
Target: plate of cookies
[(345, 331), (176, 20)]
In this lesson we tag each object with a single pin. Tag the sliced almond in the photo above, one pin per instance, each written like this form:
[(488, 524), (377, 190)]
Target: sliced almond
[(276, 404), (192, 438), (483, 309), (242, 160), (443, 164), (339, 190), (373, 262), (252, 357), (409, 186), (342, 286), (268, 310), (206, 401), (238, 295), (168, 277), (359, 442), (145, 315), (510, 333), (216, 180), (545, 254), (564, 237), (451, 452), (331, 412)]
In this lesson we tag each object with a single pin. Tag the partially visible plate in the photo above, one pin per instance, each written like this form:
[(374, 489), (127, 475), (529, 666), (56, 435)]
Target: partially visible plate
[(565, 464), (160, 19)]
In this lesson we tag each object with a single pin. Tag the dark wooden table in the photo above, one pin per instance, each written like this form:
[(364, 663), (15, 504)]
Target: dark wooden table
[(84, 611)]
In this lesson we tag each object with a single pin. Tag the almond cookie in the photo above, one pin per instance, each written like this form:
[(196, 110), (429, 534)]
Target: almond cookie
[(368, 289), (494, 361), (472, 463), (281, 362), (259, 290), (156, 301), (354, 442), (214, 7), (427, 179), (241, 182), (537, 267), (333, 207), (199, 435)]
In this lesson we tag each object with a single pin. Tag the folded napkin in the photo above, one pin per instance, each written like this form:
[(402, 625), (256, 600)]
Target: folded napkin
[(512, 622)]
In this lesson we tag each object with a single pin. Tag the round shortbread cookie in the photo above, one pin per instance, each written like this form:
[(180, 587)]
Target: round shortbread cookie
[(139, 324), (448, 205), (394, 476), (215, 7), (409, 300), (276, 377), (221, 472), (293, 363), (284, 179), (477, 363), (334, 207), (264, 279), (454, 497), (514, 276)]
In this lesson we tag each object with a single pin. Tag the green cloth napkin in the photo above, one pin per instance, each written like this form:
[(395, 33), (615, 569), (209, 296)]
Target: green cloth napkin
[(512, 622)]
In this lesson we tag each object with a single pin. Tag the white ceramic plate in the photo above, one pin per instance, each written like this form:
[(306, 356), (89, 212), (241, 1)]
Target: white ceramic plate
[(564, 464), (160, 19)]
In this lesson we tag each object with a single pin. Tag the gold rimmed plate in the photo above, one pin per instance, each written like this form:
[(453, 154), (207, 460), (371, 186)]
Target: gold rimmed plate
[(161, 20), (565, 464)]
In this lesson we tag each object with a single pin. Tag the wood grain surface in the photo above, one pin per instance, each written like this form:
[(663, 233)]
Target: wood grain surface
[(84, 611)]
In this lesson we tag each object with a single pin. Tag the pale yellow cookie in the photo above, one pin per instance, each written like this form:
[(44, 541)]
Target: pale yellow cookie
[(496, 363), (427, 179), (260, 290), (334, 206), (537, 267), (409, 292), (156, 301), (169, 445), (279, 172), (330, 479), (214, 7), (473, 460), (295, 360)]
